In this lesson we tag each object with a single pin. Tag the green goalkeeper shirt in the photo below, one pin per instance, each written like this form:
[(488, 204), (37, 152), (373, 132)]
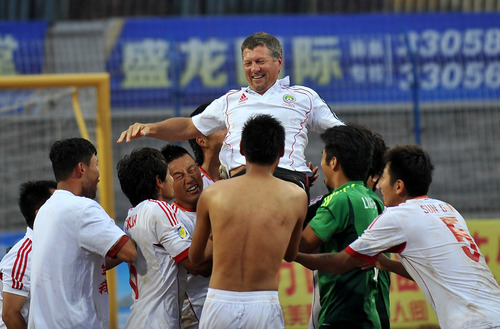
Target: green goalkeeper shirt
[(348, 300)]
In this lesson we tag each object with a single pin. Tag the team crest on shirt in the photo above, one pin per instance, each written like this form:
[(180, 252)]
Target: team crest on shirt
[(289, 100), (182, 232)]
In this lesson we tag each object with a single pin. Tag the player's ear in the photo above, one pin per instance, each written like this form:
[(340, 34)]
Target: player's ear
[(333, 163), (202, 141), (282, 152), (241, 150), (159, 182), (79, 170), (399, 187)]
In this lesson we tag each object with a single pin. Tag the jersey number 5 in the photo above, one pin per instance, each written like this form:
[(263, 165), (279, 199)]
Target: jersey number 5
[(472, 252)]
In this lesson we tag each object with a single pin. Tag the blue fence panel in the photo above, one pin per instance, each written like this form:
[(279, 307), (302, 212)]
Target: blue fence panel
[(22, 47)]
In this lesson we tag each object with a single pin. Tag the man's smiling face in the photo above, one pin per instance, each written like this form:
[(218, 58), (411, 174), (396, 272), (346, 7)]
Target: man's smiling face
[(261, 69)]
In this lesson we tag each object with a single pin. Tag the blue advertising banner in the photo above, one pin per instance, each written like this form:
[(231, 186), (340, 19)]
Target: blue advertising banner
[(358, 59), (22, 47)]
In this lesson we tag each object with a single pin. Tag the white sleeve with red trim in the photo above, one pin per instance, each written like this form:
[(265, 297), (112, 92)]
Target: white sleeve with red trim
[(212, 118), (93, 222), (322, 117), (385, 234), (16, 267), (8, 285), (171, 234)]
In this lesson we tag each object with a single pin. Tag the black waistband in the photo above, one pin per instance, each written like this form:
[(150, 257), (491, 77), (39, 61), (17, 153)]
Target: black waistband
[(297, 177)]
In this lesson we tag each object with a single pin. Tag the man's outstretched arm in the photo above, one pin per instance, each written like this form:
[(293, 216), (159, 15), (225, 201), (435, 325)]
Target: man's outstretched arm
[(172, 130), (337, 263), (387, 264)]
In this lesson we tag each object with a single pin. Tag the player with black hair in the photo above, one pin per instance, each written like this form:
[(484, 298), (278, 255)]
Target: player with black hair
[(349, 300), (433, 243), (15, 267), (75, 242), (188, 185), (158, 275), (244, 284)]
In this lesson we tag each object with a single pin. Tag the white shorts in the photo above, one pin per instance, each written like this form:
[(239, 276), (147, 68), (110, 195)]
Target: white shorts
[(242, 310)]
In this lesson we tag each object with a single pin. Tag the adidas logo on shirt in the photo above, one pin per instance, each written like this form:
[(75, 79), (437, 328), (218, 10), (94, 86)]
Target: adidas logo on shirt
[(243, 98)]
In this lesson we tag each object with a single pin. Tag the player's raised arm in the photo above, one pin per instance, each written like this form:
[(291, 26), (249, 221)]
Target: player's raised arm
[(172, 130), (202, 230)]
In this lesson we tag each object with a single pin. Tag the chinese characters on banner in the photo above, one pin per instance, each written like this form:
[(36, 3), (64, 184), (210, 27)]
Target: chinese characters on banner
[(342, 62)]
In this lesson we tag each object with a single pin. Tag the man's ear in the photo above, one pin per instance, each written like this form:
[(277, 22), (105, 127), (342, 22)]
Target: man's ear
[(79, 170), (159, 183), (241, 150), (282, 152), (202, 141), (333, 163), (399, 187)]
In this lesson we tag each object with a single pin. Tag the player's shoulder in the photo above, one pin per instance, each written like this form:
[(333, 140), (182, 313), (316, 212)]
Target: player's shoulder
[(20, 251), (230, 93), (301, 89), (335, 197), (218, 187), (161, 211), (87, 206), (158, 205), (397, 213), (292, 190)]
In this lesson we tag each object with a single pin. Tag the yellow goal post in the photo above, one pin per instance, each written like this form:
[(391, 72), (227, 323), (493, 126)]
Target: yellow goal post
[(101, 83)]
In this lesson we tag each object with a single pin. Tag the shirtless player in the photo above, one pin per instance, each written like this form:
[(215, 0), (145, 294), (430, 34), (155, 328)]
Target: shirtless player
[(256, 222)]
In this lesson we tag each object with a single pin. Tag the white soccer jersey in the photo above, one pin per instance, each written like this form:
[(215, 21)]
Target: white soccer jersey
[(437, 250), (15, 272), (299, 109), (207, 180), (72, 236), (157, 281), (197, 285)]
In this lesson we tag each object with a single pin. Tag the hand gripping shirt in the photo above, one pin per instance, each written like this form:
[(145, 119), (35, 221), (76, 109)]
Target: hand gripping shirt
[(436, 248), (197, 285), (72, 236), (299, 109), (15, 272), (347, 300), (157, 281)]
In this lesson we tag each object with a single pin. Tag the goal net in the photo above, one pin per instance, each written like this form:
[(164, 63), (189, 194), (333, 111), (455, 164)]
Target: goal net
[(35, 112), (32, 119)]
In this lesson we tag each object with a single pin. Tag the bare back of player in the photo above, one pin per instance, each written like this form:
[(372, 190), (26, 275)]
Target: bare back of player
[(255, 219), (256, 222)]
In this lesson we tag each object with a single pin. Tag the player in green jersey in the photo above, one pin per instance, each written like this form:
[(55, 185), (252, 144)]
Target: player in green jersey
[(348, 300)]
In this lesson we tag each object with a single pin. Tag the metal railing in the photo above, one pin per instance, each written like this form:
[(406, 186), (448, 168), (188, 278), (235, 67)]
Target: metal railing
[(57, 10)]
